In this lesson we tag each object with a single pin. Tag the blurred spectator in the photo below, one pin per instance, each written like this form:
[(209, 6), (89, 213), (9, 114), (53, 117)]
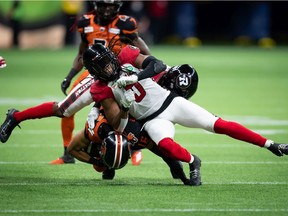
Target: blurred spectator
[(13, 16), (71, 9), (252, 23), (137, 9), (184, 23), (158, 12), (36, 24)]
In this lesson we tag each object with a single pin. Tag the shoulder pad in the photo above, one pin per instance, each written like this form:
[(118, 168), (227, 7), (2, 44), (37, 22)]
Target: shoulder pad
[(84, 21), (128, 27), (126, 23)]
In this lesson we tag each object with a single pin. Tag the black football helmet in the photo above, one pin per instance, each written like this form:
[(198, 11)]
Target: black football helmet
[(101, 63), (115, 150), (181, 79), (107, 10)]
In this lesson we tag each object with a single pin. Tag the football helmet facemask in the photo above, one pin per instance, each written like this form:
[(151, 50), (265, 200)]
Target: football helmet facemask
[(181, 79), (101, 63)]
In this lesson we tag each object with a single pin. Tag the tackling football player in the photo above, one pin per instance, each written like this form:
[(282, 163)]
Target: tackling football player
[(80, 96), (158, 108), (107, 150), (106, 26)]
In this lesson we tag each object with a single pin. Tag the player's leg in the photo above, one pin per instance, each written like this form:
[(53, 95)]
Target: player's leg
[(14, 117), (162, 131), (189, 114), (67, 127), (176, 167), (78, 98), (239, 132)]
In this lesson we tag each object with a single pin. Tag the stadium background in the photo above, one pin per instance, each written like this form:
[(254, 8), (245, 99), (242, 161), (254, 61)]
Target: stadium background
[(214, 22)]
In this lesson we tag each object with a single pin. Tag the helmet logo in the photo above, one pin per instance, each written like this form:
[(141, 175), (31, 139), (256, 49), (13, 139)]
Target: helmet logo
[(183, 81), (103, 148)]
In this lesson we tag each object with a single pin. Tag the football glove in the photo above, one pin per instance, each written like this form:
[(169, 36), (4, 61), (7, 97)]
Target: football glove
[(123, 81), (92, 116), (65, 85), (2, 62), (128, 99)]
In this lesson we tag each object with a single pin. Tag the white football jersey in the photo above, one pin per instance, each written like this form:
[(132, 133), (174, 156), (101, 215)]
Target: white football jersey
[(149, 97)]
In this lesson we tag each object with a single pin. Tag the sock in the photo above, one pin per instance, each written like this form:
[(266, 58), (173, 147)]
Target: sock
[(67, 127), (192, 159), (41, 111), (173, 150), (268, 143), (238, 132)]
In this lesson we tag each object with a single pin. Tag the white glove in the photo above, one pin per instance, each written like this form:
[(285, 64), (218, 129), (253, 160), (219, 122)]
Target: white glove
[(2, 62), (126, 80), (92, 116), (128, 99)]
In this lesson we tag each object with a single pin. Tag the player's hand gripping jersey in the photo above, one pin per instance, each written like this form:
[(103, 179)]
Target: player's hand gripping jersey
[(100, 90)]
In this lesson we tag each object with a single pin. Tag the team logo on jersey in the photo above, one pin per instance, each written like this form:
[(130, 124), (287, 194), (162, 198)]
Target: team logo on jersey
[(103, 148), (183, 81), (132, 138)]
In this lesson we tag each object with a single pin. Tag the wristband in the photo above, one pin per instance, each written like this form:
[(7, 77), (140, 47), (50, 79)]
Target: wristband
[(122, 125)]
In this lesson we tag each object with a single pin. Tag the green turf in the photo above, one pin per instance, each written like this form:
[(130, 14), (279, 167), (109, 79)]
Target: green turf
[(248, 85)]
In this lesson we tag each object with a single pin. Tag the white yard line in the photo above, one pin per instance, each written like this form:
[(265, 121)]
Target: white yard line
[(144, 210), (54, 183)]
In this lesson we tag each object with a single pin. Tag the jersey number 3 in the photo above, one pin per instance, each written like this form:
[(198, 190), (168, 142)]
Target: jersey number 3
[(139, 92)]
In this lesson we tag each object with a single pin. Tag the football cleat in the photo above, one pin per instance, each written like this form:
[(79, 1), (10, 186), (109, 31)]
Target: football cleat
[(195, 176), (65, 159), (9, 124), (279, 149), (136, 157), (108, 174)]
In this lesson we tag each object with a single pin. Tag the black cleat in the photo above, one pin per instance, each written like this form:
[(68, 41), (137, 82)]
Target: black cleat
[(195, 176), (279, 149), (108, 174), (8, 126)]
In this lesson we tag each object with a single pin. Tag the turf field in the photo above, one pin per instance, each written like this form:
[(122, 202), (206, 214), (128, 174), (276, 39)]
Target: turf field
[(249, 85)]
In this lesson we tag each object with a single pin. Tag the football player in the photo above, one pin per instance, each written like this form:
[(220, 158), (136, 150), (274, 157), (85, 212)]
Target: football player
[(106, 26), (158, 108), (80, 96), (87, 146)]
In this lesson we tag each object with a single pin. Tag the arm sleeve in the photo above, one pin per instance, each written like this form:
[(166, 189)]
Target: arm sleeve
[(151, 67)]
